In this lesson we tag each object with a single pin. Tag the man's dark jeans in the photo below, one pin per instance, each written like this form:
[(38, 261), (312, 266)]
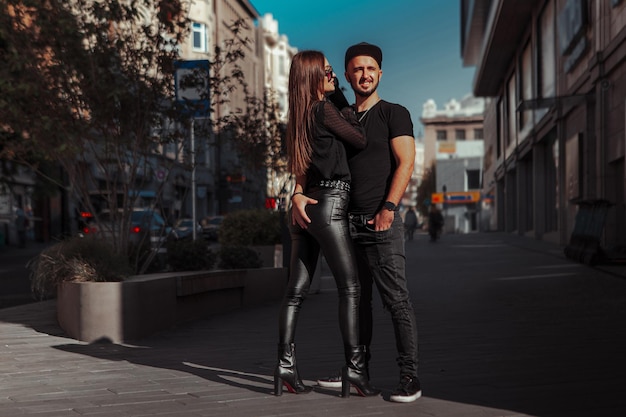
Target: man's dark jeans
[(381, 260)]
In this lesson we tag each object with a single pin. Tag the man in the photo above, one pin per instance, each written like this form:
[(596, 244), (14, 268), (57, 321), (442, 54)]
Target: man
[(410, 223), (435, 223), (380, 175), (21, 225)]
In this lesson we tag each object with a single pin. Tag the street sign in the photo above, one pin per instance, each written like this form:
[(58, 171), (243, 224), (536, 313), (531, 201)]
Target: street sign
[(192, 86), (456, 197)]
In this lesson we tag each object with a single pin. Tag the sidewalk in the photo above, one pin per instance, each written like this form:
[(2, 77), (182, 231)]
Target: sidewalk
[(14, 275), (508, 327)]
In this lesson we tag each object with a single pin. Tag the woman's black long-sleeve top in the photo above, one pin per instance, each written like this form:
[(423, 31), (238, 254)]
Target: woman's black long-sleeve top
[(333, 132)]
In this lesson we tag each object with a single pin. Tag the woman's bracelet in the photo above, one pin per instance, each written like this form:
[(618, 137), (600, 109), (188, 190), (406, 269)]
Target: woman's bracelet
[(296, 193)]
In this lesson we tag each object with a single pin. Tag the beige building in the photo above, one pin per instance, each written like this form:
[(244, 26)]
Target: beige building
[(410, 197), (453, 146), (554, 124), (456, 121), (222, 183), (277, 56)]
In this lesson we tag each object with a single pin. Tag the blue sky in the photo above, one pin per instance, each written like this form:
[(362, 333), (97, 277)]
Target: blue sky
[(419, 38)]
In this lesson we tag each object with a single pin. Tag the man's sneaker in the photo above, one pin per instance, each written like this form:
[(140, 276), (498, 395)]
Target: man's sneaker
[(333, 381), (408, 390)]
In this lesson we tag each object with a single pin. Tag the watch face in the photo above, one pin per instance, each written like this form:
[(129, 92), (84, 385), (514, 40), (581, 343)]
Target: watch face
[(390, 206)]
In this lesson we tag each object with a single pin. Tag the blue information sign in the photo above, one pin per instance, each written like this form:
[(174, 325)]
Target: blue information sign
[(192, 86)]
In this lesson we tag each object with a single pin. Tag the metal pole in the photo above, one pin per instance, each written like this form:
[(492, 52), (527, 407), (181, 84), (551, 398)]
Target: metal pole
[(193, 178)]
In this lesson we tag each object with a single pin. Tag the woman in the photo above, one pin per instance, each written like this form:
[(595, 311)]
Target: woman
[(317, 138)]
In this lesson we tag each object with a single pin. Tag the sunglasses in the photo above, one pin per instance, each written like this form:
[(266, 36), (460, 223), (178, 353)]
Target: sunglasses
[(329, 73)]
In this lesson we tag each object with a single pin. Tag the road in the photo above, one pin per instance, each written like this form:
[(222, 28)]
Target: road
[(507, 327)]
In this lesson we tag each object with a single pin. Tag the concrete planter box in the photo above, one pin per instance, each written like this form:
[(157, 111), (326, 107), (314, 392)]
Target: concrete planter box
[(142, 305), (270, 255)]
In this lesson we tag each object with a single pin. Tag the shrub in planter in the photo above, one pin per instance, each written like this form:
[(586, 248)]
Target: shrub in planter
[(190, 255), (238, 257), (144, 260), (250, 228), (76, 259)]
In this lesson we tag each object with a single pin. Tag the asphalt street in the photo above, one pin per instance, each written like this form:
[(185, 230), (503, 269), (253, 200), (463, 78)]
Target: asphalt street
[(507, 327)]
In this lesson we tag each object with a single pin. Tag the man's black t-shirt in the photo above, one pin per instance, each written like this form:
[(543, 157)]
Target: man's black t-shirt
[(372, 168)]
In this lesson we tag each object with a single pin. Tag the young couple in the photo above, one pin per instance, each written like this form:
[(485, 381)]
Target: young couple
[(352, 166)]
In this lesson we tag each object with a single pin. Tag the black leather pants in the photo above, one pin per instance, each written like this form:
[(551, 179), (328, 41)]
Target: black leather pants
[(329, 231)]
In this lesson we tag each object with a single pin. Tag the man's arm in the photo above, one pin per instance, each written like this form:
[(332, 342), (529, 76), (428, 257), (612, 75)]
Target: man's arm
[(403, 149)]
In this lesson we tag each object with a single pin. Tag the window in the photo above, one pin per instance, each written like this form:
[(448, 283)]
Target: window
[(479, 134), (500, 128), (546, 54), (442, 135), (525, 86), (281, 66), (473, 179), (511, 120), (459, 134), (198, 31)]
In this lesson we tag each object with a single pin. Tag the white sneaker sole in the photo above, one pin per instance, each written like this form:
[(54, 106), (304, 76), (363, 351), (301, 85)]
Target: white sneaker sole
[(328, 384), (405, 398)]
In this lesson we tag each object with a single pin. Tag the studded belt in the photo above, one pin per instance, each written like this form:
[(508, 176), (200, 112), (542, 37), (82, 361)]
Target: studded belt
[(338, 184)]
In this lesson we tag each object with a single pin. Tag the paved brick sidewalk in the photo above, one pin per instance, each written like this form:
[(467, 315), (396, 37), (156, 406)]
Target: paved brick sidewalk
[(508, 327)]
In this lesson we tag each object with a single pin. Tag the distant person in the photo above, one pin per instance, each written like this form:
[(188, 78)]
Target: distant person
[(435, 223), (380, 175), (317, 138), (21, 225), (410, 223)]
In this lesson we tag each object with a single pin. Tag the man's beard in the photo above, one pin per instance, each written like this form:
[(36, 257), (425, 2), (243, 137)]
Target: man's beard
[(366, 94)]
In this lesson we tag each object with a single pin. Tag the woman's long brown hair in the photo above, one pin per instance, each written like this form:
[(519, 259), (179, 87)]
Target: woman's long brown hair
[(306, 81)]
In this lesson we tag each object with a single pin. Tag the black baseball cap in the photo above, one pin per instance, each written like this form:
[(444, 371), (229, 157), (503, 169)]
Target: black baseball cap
[(366, 49)]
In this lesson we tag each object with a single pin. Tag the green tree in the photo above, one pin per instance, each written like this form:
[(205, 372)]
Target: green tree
[(89, 85)]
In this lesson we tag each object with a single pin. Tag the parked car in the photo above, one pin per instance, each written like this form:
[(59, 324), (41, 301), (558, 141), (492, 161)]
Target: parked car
[(210, 227), (144, 223), (183, 229)]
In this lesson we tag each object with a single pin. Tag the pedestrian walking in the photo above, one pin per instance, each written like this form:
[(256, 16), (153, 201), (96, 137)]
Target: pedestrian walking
[(435, 223), (410, 223), (21, 226)]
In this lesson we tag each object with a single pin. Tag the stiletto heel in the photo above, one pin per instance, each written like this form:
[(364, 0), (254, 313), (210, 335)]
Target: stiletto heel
[(355, 374), (278, 385), (345, 384), (287, 372)]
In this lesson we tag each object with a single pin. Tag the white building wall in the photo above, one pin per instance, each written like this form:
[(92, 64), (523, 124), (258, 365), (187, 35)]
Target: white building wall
[(277, 56)]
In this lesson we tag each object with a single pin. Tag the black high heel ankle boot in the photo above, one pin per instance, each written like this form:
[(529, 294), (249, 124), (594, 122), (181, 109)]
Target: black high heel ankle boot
[(355, 373), (286, 372)]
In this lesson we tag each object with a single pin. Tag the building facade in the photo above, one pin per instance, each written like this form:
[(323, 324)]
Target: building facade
[(277, 57), (555, 121), (410, 197), (454, 148), (222, 182)]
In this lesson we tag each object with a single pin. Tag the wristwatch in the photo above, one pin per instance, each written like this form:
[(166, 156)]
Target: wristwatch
[(390, 206)]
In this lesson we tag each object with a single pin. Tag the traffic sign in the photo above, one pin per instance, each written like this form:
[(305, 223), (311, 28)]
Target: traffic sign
[(456, 197), (191, 84)]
